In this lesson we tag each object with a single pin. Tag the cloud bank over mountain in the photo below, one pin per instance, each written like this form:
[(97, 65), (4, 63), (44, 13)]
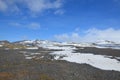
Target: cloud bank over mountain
[(91, 35)]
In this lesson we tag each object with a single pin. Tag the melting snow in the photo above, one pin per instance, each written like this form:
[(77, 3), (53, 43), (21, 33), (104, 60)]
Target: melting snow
[(118, 57), (98, 61), (34, 53), (1, 45), (28, 57), (31, 55), (32, 48)]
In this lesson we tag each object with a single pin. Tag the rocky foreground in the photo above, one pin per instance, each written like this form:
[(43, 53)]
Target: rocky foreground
[(21, 61)]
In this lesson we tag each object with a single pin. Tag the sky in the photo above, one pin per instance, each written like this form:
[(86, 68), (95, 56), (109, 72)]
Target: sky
[(60, 20)]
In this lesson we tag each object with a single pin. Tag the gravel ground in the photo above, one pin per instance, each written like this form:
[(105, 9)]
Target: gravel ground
[(101, 51), (14, 66)]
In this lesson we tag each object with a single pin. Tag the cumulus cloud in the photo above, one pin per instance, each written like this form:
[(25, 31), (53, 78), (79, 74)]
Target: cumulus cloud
[(33, 6), (73, 37), (38, 6), (8, 6), (32, 25), (62, 37), (91, 35)]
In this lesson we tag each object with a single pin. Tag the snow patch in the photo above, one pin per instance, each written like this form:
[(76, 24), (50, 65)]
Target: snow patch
[(118, 57), (34, 53), (1, 45), (98, 61), (28, 57), (32, 48)]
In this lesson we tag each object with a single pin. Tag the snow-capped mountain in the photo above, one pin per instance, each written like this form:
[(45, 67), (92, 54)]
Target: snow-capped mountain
[(107, 44), (46, 43), (38, 43), (4, 42)]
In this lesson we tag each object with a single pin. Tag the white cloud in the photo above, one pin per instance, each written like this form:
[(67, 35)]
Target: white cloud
[(33, 6), (3, 6), (24, 37), (91, 35), (8, 6), (37, 6), (74, 37), (60, 12), (62, 37), (107, 34), (32, 25), (15, 24)]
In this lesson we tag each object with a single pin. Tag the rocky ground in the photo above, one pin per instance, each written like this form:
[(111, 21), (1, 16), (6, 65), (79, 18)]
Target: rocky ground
[(17, 64)]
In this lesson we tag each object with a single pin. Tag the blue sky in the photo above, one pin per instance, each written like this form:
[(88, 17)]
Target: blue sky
[(61, 20)]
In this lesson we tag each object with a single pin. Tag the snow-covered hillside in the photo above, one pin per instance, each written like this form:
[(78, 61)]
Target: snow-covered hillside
[(46, 43), (107, 44), (82, 58), (66, 51)]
